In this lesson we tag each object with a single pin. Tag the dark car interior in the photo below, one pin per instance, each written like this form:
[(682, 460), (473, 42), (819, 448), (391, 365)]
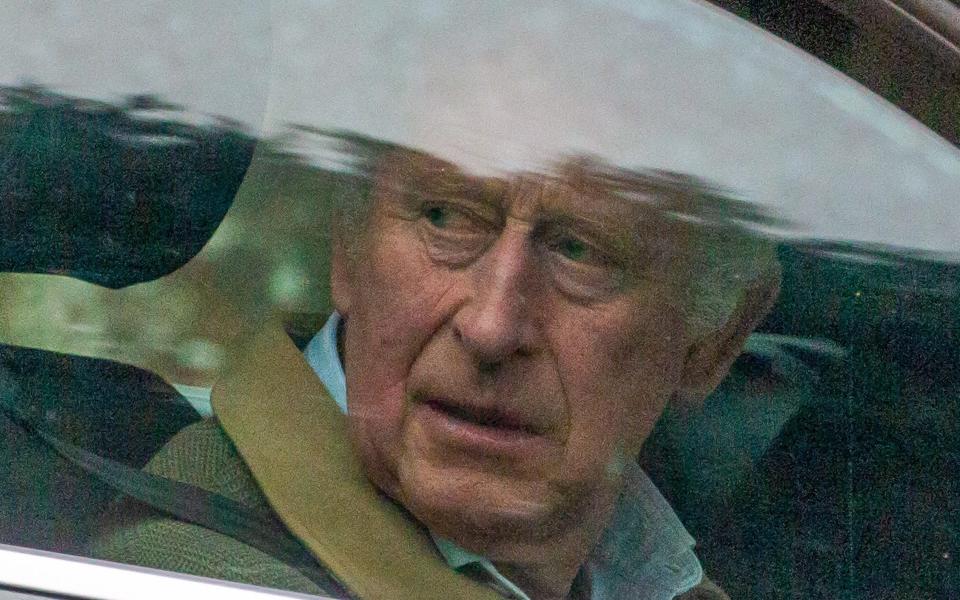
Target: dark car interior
[(855, 494), (827, 465)]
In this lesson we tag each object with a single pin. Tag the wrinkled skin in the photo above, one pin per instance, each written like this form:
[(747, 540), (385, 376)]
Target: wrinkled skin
[(509, 345)]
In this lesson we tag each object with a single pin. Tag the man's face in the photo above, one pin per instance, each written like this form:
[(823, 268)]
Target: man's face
[(509, 345)]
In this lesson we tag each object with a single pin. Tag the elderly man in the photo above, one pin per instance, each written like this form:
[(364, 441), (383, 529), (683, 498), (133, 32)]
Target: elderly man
[(509, 344), (513, 311), (514, 306), (501, 349)]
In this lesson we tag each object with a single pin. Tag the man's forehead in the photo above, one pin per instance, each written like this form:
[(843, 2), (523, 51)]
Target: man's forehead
[(574, 185)]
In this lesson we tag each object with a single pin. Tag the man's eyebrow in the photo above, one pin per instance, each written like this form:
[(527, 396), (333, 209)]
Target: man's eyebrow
[(637, 238), (444, 178), (631, 218)]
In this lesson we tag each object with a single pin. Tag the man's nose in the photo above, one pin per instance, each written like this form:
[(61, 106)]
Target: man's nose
[(495, 322)]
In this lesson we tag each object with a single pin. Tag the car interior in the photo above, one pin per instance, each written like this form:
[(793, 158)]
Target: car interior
[(827, 464)]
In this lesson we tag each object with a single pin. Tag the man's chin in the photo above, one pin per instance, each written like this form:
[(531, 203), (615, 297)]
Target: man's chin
[(478, 510)]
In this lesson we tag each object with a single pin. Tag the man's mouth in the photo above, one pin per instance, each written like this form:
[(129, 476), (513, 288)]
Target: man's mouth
[(481, 416), (478, 430)]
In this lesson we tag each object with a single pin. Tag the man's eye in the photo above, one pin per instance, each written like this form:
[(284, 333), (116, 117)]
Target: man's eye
[(572, 249), (453, 219), (437, 215), (454, 234), (581, 268)]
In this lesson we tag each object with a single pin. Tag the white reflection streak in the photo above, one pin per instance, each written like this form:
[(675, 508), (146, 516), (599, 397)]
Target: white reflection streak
[(32, 570)]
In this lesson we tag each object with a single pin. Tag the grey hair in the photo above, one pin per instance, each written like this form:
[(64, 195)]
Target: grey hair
[(724, 265)]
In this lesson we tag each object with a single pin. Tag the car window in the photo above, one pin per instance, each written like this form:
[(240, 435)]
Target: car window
[(737, 274)]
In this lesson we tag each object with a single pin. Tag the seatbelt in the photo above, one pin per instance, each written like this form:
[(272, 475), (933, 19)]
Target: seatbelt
[(258, 528)]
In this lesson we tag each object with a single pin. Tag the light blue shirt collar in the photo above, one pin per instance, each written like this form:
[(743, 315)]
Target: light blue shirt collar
[(644, 553), (321, 353)]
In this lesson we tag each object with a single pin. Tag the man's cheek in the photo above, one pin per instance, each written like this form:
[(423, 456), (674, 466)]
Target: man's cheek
[(376, 426), (591, 451), (375, 377), (410, 307)]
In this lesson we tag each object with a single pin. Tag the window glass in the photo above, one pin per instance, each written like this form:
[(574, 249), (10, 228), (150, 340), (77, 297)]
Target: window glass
[(589, 299)]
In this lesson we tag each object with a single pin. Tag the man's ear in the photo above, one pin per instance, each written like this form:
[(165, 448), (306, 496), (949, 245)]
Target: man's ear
[(341, 291), (710, 357)]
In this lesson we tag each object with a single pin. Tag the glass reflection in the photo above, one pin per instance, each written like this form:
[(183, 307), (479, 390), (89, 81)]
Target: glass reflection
[(853, 367), (822, 465)]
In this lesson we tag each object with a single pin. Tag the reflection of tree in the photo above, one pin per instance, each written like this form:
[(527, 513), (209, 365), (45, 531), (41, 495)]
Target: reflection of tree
[(114, 194)]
